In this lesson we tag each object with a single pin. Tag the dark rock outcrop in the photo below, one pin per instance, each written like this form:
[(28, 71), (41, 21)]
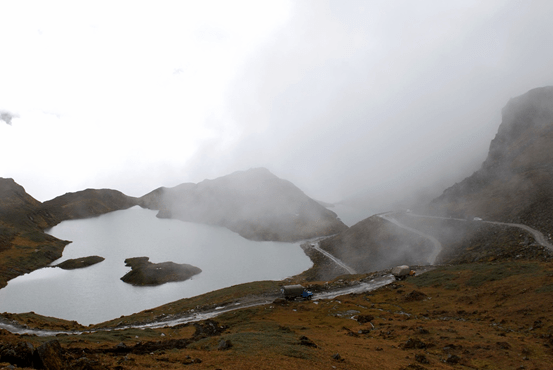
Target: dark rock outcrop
[(255, 203), (78, 263), (145, 272), (514, 182), (49, 356)]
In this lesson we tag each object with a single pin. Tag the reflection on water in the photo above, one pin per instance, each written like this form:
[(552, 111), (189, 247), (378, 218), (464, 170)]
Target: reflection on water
[(96, 293)]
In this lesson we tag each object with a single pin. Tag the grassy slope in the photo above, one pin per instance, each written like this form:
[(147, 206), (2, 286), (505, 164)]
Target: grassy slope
[(484, 316)]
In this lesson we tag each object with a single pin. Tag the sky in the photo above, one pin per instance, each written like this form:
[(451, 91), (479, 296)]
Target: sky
[(373, 99)]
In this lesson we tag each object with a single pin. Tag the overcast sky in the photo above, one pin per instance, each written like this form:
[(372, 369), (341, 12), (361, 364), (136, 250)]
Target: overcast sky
[(339, 97)]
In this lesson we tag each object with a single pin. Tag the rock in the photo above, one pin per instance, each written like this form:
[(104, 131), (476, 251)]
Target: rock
[(280, 301), (452, 359), (85, 363), (190, 361), (421, 358), (414, 343), (304, 341), (363, 319), (147, 273), (49, 356), (20, 354), (337, 357), (78, 263), (224, 344), (207, 328), (415, 295)]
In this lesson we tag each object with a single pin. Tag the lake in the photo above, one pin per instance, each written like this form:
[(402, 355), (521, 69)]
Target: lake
[(96, 293)]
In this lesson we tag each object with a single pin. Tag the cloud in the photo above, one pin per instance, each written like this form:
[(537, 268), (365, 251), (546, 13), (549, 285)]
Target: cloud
[(384, 97), (7, 116)]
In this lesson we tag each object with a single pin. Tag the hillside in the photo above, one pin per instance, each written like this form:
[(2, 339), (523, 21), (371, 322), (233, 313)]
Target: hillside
[(24, 246), (472, 316), (376, 244), (255, 203), (514, 185), (515, 181), (88, 203)]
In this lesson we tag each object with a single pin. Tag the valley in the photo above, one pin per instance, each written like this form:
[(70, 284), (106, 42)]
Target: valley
[(481, 297)]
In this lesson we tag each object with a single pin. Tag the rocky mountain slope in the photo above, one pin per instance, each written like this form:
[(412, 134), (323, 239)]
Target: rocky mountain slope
[(515, 182), (255, 203), (24, 246)]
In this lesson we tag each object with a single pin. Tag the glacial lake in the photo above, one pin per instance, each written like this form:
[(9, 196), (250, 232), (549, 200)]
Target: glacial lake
[(96, 293)]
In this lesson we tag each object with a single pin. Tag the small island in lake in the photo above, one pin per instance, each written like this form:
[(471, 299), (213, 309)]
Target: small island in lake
[(145, 272), (78, 263)]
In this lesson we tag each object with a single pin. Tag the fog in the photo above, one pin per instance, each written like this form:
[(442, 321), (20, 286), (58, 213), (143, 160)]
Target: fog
[(371, 100)]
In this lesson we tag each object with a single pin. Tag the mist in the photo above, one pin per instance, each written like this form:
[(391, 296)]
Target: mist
[(383, 104)]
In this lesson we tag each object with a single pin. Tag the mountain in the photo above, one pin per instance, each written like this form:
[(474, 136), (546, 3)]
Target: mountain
[(255, 203), (24, 246), (515, 182), (376, 244), (513, 185), (88, 203)]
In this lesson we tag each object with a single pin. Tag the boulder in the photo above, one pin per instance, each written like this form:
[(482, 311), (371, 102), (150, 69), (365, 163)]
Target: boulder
[(49, 356)]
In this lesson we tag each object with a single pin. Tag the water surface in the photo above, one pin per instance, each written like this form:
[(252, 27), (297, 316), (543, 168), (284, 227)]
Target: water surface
[(96, 293)]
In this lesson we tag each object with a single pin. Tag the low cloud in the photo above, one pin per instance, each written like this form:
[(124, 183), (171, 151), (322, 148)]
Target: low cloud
[(7, 116)]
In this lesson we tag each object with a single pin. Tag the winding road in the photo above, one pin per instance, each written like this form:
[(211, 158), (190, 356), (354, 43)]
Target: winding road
[(193, 316), (437, 245), (538, 236), (336, 260)]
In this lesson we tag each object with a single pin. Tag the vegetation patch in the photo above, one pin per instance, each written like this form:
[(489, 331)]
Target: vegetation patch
[(545, 289), (435, 278), (482, 273)]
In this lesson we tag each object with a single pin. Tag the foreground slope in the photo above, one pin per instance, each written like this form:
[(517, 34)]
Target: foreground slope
[(255, 203), (515, 182), (472, 316)]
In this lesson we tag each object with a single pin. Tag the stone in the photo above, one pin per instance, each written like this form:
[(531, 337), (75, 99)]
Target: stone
[(49, 356), (20, 354), (224, 344)]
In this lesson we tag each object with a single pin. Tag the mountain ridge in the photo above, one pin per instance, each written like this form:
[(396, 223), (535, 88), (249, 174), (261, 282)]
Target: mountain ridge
[(254, 203)]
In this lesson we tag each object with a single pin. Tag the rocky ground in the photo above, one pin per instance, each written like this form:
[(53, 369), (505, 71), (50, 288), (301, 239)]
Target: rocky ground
[(473, 316)]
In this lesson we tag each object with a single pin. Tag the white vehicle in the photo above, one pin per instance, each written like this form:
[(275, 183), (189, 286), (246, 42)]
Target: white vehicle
[(401, 272)]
